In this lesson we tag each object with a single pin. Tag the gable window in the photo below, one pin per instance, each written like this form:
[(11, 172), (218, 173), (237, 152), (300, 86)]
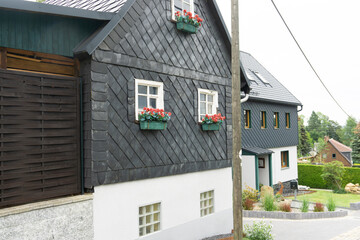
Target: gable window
[(208, 102), (284, 159), (148, 94), (276, 120), (181, 5), (334, 155), (149, 219), (263, 119), (206, 203), (287, 119), (247, 116)]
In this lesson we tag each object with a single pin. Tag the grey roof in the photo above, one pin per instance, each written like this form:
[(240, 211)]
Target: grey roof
[(257, 150), (52, 9), (93, 5), (273, 91)]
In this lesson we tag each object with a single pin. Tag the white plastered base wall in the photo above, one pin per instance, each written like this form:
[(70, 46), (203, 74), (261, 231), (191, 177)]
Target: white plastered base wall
[(284, 174), (116, 206), (248, 171)]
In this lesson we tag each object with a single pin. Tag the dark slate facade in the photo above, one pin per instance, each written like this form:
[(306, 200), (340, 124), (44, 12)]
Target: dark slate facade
[(269, 137), (146, 45)]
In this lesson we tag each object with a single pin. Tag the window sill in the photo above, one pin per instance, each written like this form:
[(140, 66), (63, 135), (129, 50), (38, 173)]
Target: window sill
[(285, 168)]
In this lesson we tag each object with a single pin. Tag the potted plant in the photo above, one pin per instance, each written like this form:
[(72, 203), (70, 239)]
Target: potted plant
[(187, 23), (212, 123), (153, 119)]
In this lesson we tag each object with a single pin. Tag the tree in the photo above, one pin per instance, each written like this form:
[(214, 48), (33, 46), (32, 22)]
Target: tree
[(304, 146), (314, 125), (321, 146), (333, 173), (356, 145), (348, 131)]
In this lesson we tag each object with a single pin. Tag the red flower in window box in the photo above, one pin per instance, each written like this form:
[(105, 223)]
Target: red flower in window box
[(153, 119), (187, 23), (212, 122)]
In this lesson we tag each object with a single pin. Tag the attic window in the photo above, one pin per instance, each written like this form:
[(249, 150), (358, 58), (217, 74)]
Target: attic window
[(181, 5), (261, 77)]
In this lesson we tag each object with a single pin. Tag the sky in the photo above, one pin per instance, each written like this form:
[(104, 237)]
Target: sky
[(327, 31)]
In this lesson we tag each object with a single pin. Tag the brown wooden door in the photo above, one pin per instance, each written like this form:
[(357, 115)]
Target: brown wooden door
[(39, 137)]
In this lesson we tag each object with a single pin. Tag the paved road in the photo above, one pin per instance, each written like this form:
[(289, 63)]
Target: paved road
[(345, 228)]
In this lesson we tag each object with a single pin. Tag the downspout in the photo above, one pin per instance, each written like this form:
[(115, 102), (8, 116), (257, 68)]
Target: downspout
[(245, 98), (81, 139)]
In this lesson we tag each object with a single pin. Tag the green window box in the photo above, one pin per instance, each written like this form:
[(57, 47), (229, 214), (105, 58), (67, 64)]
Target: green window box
[(145, 125), (211, 127), (186, 27)]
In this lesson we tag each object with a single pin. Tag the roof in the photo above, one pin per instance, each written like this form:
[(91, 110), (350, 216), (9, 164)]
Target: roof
[(54, 10), (339, 146), (93, 5), (257, 150), (264, 86)]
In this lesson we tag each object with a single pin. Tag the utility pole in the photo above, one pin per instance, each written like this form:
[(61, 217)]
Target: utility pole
[(236, 121)]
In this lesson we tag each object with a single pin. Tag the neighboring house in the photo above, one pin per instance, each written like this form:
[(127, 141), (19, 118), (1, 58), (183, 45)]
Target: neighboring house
[(336, 151), (270, 129)]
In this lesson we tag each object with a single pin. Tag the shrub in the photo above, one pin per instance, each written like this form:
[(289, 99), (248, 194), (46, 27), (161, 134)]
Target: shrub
[(305, 205), (258, 231), (250, 193), (340, 191), (333, 173), (285, 207), (331, 204), (248, 204), (319, 207), (268, 202)]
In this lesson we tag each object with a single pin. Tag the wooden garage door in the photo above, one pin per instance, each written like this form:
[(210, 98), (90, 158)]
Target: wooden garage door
[(39, 130)]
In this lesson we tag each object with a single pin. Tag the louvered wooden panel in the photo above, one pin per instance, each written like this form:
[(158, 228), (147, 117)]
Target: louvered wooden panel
[(39, 137)]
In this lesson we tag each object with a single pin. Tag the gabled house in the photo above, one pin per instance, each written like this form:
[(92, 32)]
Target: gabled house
[(269, 130), (336, 151)]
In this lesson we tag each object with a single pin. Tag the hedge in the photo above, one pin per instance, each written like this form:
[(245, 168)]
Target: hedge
[(310, 175)]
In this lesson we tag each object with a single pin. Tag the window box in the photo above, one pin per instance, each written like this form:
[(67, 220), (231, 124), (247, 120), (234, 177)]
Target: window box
[(186, 27), (211, 127), (146, 125)]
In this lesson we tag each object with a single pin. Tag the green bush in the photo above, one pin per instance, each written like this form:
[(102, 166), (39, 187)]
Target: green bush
[(305, 205), (310, 175), (258, 231), (331, 204), (268, 202)]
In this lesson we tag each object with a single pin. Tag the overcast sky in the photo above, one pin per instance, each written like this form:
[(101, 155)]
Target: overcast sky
[(328, 32)]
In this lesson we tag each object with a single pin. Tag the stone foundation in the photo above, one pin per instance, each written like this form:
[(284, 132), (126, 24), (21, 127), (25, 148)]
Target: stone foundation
[(286, 191)]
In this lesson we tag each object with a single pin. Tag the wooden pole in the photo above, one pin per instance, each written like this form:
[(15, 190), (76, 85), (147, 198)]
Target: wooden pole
[(236, 120)]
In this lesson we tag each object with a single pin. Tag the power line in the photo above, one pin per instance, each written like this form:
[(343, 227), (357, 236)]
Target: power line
[(308, 59)]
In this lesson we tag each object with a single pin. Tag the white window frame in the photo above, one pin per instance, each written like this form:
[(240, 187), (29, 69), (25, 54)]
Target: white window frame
[(151, 214), (215, 102), (173, 8), (205, 207), (159, 97)]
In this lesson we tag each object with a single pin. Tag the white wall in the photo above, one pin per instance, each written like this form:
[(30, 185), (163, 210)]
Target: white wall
[(116, 206), (248, 171), (284, 174), (264, 172)]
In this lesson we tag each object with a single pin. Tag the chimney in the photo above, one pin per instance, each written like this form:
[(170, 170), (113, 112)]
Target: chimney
[(326, 138)]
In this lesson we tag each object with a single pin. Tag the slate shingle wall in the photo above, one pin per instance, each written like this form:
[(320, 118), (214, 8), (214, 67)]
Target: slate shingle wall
[(269, 137), (146, 45)]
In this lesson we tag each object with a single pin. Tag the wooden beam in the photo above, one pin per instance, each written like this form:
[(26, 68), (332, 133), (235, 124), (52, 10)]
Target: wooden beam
[(3, 62)]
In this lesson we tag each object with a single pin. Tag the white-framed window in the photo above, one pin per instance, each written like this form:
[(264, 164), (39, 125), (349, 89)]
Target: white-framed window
[(149, 219), (181, 5), (148, 94), (206, 203), (208, 102)]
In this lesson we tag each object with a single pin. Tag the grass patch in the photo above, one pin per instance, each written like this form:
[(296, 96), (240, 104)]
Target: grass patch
[(322, 196)]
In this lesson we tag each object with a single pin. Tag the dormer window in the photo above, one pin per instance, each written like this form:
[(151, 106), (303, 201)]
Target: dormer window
[(181, 5)]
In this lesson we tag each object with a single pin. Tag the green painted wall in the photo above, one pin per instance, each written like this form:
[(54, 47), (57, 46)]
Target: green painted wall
[(44, 33)]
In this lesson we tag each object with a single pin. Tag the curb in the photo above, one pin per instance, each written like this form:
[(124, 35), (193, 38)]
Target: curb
[(294, 216)]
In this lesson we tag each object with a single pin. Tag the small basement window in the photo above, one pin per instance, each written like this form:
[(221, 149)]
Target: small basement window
[(149, 219), (148, 94), (208, 102), (181, 5), (206, 203)]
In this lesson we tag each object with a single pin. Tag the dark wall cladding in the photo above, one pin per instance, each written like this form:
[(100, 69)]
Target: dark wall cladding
[(270, 137), (146, 45)]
